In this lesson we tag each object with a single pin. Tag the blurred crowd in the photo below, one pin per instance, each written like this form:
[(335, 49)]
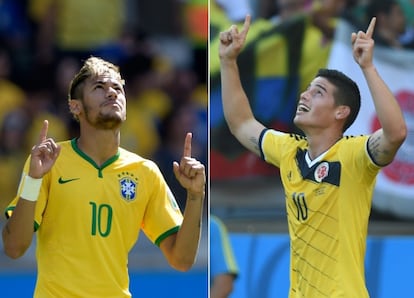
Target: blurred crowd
[(290, 40), (162, 54), (395, 18)]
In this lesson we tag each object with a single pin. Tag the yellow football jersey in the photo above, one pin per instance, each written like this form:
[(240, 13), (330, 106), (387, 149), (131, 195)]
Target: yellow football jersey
[(88, 218), (328, 202)]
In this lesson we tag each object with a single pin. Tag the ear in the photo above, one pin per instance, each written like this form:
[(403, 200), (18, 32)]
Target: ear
[(342, 112), (75, 106)]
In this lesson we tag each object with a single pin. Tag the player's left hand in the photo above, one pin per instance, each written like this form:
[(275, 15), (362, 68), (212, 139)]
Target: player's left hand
[(363, 45), (190, 172)]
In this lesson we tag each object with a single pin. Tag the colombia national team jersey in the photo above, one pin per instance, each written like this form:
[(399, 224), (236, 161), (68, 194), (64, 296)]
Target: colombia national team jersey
[(328, 202), (88, 218)]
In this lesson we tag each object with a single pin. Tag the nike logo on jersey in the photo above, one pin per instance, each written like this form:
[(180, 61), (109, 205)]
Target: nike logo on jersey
[(63, 181)]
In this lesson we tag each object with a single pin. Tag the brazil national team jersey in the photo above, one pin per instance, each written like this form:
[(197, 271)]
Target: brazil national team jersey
[(328, 202), (88, 218)]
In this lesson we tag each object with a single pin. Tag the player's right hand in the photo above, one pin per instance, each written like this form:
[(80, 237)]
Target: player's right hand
[(363, 45), (232, 41), (44, 154)]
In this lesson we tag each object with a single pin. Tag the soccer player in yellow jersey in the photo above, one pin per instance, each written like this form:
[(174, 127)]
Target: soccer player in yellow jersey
[(88, 198), (328, 177)]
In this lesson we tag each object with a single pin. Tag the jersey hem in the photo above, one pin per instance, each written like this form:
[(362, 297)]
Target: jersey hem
[(262, 156), (166, 234), (8, 212)]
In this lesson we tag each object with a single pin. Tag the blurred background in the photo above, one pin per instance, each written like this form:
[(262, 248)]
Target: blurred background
[(161, 48), (288, 41)]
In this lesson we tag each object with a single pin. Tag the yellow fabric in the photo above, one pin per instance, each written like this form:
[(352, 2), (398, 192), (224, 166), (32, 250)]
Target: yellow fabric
[(88, 24), (271, 57), (82, 24), (155, 102), (38, 9), (89, 218), (315, 55), (200, 96), (256, 29), (11, 96), (140, 133), (327, 222)]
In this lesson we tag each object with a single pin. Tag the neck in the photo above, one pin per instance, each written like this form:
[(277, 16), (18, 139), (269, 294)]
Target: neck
[(319, 143), (99, 145)]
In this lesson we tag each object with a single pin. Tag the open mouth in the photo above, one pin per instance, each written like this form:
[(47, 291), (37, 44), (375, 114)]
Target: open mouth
[(303, 108)]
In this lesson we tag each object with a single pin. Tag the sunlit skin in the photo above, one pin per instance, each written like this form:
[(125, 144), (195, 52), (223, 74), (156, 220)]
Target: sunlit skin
[(103, 104), (316, 107)]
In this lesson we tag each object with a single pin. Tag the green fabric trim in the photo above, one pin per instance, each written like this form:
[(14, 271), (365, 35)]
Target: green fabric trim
[(91, 161), (36, 226), (9, 211), (166, 234)]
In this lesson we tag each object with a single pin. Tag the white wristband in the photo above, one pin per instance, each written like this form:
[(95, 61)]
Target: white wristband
[(31, 188)]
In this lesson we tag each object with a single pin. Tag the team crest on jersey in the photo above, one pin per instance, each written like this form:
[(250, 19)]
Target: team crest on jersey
[(321, 171), (128, 186)]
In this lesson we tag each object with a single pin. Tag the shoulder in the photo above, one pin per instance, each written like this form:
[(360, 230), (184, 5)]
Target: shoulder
[(355, 138), (129, 157), (276, 134), (273, 138), (356, 148), (351, 141)]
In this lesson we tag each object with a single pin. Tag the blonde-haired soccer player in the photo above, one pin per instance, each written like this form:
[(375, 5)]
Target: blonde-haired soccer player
[(328, 178), (88, 198)]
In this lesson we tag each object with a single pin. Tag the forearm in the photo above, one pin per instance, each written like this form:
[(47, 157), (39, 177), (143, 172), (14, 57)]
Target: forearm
[(387, 109), (18, 231), (236, 106), (188, 237), (222, 286)]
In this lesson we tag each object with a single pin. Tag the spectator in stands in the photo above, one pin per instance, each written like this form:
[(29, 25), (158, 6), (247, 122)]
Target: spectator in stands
[(78, 28), (11, 95), (287, 9), (179, 120), (391, 23), (235, 10), (12, 152), (223, 265)]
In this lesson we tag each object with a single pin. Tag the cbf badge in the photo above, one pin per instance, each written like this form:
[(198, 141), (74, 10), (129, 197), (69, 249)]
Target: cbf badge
[(128, 185)]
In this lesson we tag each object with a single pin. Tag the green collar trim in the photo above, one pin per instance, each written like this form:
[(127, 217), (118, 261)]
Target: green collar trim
[(74, 143)]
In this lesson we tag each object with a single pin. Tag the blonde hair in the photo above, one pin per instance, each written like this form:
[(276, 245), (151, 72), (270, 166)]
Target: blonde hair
[(92, 67)]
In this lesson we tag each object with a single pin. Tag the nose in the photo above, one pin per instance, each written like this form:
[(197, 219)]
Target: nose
[(111, 93), (304, 95)]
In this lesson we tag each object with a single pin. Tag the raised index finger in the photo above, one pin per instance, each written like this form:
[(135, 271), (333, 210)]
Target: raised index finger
[(187, 144), (246, 25), (371, 27), (43, 132)]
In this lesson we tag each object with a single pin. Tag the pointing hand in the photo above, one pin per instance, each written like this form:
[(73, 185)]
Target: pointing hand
[(190, 172), (44, 154)]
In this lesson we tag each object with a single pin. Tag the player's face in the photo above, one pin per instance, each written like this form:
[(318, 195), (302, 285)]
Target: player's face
[(104, 103), (316, 106)]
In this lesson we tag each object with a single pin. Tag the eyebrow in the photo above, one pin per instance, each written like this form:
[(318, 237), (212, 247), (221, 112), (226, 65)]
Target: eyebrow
[(322, 87), (106, 82)]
